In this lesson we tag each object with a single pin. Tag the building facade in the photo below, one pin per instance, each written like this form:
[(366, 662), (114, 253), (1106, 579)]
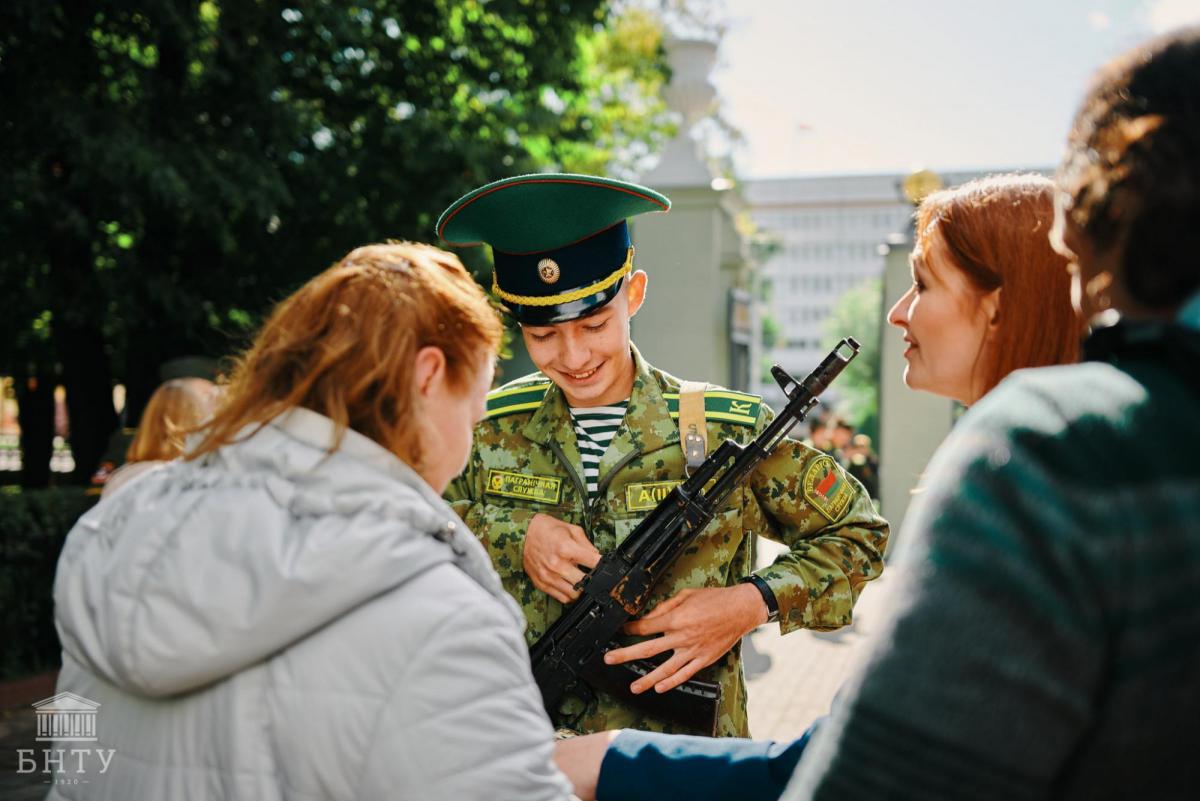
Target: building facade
[(830, 233)]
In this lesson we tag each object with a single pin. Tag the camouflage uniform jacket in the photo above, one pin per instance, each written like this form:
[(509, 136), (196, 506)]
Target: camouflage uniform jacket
[(525, 461)]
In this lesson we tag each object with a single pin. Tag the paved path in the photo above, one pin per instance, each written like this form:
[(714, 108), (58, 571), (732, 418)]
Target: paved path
[(806, 668)]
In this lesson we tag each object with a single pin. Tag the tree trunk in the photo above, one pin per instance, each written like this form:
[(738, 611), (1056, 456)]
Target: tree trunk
[(141, 379), (78, 337), (35, 414), (89, 396)]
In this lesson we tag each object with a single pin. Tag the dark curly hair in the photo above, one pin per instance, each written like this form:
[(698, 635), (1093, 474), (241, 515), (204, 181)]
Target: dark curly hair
[(1131, 172)]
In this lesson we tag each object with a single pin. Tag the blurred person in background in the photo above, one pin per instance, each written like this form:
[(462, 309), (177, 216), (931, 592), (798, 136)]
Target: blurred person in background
[(839, 433), (863, 463), (292, 611), (176, 408), (1048, 645)]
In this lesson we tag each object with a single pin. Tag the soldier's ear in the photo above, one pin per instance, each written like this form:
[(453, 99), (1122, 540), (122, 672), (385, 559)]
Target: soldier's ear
[(636, 287)]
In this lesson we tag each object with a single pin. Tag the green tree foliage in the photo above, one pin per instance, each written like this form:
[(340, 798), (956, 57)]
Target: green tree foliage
[(173, 166), (859, 314), (770, 331)]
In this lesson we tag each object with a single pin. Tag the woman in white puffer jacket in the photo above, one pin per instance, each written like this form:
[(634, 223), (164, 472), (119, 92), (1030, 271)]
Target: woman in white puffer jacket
[(292, 612)]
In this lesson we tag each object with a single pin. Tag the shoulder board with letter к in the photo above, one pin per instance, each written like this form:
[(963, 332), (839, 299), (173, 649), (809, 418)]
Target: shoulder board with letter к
[(722, 405), (511, 400)]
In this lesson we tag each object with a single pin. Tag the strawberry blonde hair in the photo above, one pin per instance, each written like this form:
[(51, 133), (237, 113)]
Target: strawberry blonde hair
[(996, 230), (345, 343), (175, 409)]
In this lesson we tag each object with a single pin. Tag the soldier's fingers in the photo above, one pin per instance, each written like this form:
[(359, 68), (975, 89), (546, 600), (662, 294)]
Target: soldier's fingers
[(552, 584), (556, 594), (644, 626), (546, 585), (560, 590), (679, 676), (659, 675), (667, 605), (641, 650), (591, 556), (584, 553), (568, 589), (573, 575)]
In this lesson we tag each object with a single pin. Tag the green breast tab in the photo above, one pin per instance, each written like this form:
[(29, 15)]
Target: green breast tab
[(645, 496), (526, 487), (723, 405), (517, 399)]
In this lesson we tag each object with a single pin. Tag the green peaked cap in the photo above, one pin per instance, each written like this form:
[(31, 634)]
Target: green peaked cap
[(560, 243), (533, 213)]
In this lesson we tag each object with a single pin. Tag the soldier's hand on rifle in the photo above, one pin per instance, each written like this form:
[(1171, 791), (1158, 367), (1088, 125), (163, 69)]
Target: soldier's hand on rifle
[(700, 626), (554, 551)]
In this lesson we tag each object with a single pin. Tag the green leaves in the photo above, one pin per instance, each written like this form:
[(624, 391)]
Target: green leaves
[(211, 157), (859, 314)]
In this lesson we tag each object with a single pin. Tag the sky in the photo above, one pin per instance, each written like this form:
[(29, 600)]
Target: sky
[(861, 86)]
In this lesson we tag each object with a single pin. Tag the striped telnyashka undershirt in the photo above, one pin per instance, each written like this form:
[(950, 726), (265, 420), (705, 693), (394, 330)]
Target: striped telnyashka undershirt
[(594, 430)]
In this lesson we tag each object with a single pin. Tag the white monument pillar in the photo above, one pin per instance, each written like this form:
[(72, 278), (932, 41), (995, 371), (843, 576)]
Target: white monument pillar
[(698, 322)]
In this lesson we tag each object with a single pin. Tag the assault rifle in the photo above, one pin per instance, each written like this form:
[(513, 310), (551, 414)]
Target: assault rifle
[(571, 651)]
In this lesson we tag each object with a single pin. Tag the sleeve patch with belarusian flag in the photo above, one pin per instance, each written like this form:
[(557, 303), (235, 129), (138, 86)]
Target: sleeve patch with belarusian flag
[(722, 405), (510, 400), (827, 488)]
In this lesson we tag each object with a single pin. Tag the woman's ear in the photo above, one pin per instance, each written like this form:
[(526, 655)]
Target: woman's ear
[(991, 308), (429, 370)]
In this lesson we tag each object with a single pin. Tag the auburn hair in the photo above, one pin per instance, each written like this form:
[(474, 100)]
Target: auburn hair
[(996, 230), (345, 343), (175, 409)]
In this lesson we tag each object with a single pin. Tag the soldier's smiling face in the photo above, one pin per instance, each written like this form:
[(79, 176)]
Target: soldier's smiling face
[(589, 358)]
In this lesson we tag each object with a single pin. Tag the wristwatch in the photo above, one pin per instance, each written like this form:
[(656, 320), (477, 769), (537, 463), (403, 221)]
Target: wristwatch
[(768, 596)]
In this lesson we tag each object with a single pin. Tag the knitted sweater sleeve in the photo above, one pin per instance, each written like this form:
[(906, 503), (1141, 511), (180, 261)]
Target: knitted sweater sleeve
[(982, 684)]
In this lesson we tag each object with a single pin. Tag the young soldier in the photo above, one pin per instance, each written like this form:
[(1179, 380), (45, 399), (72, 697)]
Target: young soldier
[(570, 459)]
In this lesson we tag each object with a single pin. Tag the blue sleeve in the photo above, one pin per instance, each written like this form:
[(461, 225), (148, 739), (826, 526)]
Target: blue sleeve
[(648, 766)]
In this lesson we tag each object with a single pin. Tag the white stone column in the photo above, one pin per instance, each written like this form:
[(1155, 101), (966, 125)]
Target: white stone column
[(694, 255)]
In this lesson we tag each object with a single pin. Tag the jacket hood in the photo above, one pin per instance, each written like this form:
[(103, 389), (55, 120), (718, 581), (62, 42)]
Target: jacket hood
[(200, 569)]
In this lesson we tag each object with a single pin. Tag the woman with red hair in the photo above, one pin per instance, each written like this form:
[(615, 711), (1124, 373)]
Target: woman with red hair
[(989, 293), (292, 610)]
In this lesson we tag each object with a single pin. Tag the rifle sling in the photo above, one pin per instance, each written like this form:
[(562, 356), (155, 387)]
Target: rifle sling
[(693, 434)]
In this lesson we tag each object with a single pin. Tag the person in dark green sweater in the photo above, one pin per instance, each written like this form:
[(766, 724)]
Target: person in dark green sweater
[(1048, 642)]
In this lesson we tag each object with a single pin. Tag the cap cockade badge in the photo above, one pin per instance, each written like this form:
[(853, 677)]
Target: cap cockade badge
[(548, 270)]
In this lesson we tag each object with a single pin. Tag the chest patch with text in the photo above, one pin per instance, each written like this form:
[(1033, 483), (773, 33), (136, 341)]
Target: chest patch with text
[(540, 489), (826, 488), (645, 496)]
